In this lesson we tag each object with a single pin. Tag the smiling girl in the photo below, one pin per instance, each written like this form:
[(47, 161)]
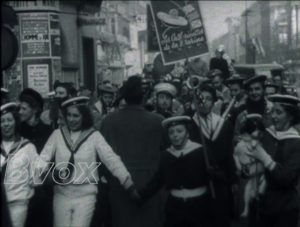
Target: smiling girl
[(17, 154)]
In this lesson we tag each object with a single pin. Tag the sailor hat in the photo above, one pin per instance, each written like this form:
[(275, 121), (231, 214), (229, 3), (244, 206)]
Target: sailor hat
[(235, 79), (255, 79), (270, 84), (9, 107), (76, 101), (107, 88), (254, 116), (166, 88), (214, 72), (178, 120), (287, 100), (4, 91)]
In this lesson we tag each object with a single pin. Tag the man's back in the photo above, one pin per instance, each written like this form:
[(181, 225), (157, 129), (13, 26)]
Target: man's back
[(136, 135)]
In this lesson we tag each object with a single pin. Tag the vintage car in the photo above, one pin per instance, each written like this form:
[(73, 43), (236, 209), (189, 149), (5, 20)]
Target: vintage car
[(249, 70)]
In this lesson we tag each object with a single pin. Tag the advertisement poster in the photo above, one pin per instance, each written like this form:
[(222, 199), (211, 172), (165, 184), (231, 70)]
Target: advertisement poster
[(179, 29), (38, 78), (35, 35), (55, 35)]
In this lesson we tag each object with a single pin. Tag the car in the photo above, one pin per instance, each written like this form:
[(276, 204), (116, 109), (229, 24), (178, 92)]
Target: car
[(249, 70), (291, 90)]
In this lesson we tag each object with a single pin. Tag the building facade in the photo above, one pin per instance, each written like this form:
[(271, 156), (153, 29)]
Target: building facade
[(81, 42), (268, 31)]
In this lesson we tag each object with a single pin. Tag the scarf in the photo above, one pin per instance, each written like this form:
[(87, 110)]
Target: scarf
[(210, 126)]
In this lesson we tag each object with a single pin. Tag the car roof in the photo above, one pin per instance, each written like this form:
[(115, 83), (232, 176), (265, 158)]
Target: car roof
[(257, 66)]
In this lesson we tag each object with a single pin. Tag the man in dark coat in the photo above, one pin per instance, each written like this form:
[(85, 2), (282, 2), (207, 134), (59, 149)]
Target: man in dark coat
[(33, 129), (256, 102), (218, 62), (136, 135), (217, 138)]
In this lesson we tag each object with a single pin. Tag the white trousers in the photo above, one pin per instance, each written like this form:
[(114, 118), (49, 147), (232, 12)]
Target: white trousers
[(18, 213), (73, 212)]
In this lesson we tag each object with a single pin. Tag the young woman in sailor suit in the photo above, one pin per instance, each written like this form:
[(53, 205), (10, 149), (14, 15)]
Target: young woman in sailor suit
[(75, 149), (17, 157), (183, 172), (279, 205), (217, 137)]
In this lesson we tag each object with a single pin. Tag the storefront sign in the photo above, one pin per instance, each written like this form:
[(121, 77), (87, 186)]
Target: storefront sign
[(179, 29)]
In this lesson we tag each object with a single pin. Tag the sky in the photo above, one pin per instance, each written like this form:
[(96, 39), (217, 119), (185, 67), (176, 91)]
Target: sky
[(214, 14)]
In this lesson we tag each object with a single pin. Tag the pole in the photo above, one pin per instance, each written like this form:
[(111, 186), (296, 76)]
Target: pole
[(206, 159)]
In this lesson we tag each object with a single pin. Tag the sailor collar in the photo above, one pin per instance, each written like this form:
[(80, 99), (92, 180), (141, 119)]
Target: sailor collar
[(188, 148), (217, 125), (291, 133)]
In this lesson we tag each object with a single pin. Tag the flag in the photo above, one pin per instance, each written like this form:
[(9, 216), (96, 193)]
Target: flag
[(261, 48)]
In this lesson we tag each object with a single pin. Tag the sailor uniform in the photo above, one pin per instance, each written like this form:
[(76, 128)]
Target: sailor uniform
[(17, 160), (217, 135), (83, 183), (188, 201), (279, 206)]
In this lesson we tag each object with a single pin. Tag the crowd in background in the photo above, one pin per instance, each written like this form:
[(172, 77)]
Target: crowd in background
[(202, 146)]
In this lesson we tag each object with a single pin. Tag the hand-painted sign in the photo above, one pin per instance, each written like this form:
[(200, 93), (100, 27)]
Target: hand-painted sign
[(179, 29)]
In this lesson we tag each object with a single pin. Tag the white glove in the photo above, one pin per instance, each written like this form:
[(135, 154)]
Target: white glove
[(260, 154)]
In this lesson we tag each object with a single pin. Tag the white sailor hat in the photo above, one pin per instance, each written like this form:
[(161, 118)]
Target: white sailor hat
[(287, 100), (235, 79), (166, 88), (4, 90), (255, 79), (76, 101), (178, 120), (51, 93), (9, 107), (254, 116), (107, 88)]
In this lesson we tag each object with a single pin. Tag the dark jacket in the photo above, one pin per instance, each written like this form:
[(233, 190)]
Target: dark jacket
[(136, 135), (281, 192), (221, 64), (37, 134)]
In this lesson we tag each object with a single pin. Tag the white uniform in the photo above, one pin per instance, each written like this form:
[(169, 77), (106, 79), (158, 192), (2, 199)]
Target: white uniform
[(18, 180), (74, 203)]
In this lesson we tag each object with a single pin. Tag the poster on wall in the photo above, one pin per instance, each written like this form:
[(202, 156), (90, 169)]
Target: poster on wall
[(55, 35), (179, 30), (35, 34), (38, 78), (38, 75)]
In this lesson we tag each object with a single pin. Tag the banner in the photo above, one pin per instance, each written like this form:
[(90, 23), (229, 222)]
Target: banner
[(179, 29), (151, 33)]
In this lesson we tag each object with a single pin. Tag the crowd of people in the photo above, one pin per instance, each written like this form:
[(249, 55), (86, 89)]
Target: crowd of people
[(213, 150)]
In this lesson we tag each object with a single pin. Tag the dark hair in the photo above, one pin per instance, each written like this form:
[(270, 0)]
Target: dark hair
[(132, 90), (87, 116), (210, 90), (250, 125), (293, 112), (134, 100), (16, 116)]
